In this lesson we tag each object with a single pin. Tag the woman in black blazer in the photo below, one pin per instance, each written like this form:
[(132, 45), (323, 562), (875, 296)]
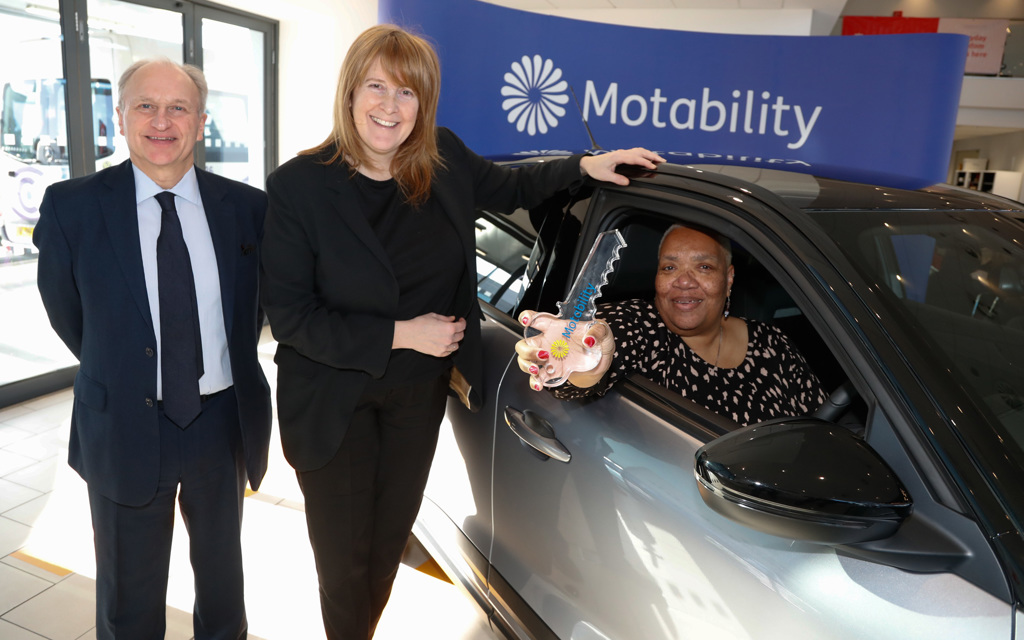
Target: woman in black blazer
[(368, 282)]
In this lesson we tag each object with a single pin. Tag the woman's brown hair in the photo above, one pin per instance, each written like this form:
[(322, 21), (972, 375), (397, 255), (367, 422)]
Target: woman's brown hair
[(413, 63)]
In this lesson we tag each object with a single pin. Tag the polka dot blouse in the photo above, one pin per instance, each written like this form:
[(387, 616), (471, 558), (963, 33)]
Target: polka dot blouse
[(773, 380)]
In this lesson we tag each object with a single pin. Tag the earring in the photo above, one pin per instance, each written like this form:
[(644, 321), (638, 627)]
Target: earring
[(728, 301)]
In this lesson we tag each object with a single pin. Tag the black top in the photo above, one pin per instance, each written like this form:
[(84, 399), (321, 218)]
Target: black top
[(330, 290), (773, 380), (426, 258)]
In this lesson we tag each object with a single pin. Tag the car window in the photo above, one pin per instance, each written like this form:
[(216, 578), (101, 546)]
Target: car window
[(756, 295), (959, 277), (502, 251)]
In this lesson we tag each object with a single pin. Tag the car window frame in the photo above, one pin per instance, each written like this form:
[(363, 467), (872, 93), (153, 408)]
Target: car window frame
[(735, 224)]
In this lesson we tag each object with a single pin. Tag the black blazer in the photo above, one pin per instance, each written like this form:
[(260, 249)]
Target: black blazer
[(93, 286), (330, 294)]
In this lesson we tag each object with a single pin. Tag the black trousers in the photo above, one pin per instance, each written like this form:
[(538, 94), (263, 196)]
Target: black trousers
[(361, 506), (133, 544)]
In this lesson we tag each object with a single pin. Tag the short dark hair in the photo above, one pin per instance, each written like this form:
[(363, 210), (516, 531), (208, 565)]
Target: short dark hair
[(723, 241)]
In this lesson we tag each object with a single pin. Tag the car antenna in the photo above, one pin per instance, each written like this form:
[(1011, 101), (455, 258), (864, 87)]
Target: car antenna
[(593, 143)]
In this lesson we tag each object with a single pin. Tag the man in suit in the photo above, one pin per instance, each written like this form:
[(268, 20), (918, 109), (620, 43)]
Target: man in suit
[(149, 273)]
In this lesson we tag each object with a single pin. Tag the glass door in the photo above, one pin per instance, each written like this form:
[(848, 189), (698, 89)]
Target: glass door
[(58, 121), (34, 152), (233, 57)]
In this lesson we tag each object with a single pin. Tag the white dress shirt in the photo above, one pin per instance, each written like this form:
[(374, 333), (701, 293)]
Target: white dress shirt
[(196, 230)]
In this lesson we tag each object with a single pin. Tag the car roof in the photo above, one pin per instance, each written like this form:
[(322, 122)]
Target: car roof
[(813, 193)]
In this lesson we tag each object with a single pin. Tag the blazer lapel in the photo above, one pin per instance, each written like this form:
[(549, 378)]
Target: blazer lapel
[(121, 216), (223, 222), (339, 183)]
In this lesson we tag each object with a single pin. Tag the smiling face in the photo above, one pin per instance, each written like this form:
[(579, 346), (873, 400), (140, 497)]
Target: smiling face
[(384, 112), (692, 283), (161, 121)]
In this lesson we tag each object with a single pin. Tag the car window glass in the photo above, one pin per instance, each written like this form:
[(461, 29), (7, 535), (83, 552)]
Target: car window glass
[(960, 279), (501, 257)]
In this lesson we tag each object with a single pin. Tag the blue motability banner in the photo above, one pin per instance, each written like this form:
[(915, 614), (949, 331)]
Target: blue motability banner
[(878, 109)]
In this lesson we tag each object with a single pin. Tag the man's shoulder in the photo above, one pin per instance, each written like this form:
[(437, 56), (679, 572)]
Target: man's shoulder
[(84, 184)]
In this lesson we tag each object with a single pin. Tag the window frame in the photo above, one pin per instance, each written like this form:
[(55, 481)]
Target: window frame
[(79, 115), (74, 18)]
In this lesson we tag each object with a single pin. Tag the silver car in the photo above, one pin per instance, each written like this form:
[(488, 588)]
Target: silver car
[(893, 512)]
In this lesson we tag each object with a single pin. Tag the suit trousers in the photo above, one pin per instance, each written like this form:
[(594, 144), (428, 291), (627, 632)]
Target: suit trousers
[(361, 506), (204, 467)]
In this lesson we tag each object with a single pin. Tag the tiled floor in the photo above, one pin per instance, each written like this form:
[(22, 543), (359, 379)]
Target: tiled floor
[(47, 567)]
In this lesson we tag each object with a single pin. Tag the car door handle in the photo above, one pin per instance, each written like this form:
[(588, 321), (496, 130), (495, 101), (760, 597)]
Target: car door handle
[(536, 432)]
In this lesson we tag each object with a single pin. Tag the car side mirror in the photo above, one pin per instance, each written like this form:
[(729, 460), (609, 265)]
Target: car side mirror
[(803, 479)]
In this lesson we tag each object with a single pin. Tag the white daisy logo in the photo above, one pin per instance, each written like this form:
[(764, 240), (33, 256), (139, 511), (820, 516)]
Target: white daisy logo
[(534, 92)]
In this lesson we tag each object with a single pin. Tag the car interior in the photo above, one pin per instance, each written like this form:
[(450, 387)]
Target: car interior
[(502, 257), (756, 295), (502, 251)]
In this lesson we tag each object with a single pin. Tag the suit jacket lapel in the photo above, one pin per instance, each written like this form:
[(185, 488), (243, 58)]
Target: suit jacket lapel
[(223, 222), (121, 216), (338, 182)]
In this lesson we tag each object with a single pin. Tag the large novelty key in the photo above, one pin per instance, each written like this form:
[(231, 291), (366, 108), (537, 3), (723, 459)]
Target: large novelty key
[(562, 335)]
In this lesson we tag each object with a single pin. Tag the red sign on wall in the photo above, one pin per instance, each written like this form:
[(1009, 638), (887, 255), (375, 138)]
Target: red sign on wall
[(875, 26), (987, 37)]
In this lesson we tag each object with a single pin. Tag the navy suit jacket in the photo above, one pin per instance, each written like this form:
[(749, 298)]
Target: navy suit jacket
[(93, 286)]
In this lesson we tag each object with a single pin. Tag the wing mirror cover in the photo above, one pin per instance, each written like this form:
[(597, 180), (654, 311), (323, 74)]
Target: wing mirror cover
[(803, 479)]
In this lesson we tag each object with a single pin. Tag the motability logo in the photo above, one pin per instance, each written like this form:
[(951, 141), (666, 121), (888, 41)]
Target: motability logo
[(534, 93)]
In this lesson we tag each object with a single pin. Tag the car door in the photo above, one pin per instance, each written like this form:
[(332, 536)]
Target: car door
[(604, 534), (454, 521)]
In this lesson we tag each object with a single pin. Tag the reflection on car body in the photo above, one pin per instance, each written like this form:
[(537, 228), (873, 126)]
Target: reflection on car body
[(895, 513)]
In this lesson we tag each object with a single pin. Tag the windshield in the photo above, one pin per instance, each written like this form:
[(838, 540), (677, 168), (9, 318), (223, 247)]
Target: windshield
[(960, 277)]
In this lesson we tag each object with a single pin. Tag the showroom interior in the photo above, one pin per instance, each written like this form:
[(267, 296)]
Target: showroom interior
[(272, 67)]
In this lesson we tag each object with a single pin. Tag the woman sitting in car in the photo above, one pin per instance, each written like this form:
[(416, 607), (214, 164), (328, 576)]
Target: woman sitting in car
[(686, 341)]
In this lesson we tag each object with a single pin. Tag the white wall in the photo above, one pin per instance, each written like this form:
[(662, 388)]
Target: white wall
[(746, 17), (1004, 152), (775, 22), (992, 102), (992, 9), (314, 37)]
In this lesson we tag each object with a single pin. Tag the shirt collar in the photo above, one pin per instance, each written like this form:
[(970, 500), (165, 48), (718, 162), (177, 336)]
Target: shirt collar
[(187, 188)]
